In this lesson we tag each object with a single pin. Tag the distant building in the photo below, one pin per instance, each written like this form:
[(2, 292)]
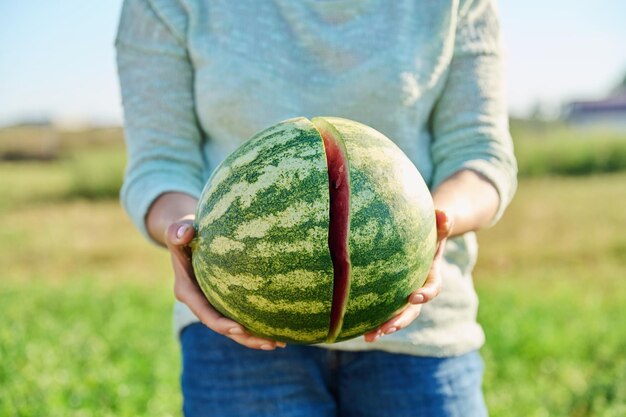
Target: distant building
[(609, 112)]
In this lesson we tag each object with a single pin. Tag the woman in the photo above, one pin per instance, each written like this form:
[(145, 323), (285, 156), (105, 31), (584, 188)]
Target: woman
[(199, 77)]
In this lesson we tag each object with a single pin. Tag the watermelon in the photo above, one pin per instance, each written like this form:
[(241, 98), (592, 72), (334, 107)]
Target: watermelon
[(313, 231)]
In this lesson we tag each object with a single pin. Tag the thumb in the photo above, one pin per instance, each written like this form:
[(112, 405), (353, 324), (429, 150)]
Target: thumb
[(180, 233), (177, 238), (444, 229), (444, 224)]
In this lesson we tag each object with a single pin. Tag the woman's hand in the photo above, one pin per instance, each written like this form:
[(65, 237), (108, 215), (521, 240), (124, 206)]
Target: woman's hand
[(427, 292), (467, 201), (186, 289), (170, 224)]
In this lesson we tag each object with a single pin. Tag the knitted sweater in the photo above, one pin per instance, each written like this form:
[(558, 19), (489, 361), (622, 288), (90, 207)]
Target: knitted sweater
[(200, 77)]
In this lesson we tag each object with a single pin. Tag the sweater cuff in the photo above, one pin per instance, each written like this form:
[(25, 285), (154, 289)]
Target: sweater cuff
[(138, 195)]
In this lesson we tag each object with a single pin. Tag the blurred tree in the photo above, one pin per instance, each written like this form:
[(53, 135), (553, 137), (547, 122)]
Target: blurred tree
[(620, 86)]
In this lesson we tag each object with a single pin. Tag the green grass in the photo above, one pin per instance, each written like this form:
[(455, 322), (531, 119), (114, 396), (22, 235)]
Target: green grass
[(96, 175), (555, 149), (552, 289), (86, 308), (87, 164), (81, 174), (86, 302), (81, 348)]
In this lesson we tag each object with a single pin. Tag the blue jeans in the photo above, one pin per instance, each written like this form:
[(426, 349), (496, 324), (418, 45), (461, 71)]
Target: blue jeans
[(223, 378)]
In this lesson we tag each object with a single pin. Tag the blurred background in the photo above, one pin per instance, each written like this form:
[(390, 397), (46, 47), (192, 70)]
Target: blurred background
[(86, 302)]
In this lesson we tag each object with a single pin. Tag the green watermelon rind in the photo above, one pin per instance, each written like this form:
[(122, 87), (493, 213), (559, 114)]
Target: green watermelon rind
[(388, 196), (248, 208), (271, 235)]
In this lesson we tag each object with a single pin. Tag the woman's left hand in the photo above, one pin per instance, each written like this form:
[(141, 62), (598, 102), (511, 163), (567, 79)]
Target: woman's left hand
[(427, 292)]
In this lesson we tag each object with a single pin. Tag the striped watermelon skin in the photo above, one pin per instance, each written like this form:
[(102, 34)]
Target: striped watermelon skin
[(393, 234), (261, 255), (261, 251)]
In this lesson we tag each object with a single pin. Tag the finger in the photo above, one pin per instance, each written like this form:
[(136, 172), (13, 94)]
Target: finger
[(181, 261), (444, 224), (394, 324), (253, 342), (403, 319), (444, 228), (177, 237), (190, 294), (188, 291), (179, 233), (214, 320), (430, 289)]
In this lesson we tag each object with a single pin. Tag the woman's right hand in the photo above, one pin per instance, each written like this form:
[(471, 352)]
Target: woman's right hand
[(186, 289)]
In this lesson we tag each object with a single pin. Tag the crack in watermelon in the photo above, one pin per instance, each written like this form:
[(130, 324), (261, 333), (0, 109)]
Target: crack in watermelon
[(339, 211)]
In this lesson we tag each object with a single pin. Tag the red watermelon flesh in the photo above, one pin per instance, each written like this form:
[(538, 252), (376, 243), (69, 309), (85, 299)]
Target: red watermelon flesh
[(339, 188)]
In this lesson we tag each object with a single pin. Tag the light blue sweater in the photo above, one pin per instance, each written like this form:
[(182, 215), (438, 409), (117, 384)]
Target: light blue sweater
[(199, 77)]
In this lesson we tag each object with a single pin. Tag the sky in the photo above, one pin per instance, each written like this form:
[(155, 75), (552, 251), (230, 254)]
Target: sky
[(57, 58)]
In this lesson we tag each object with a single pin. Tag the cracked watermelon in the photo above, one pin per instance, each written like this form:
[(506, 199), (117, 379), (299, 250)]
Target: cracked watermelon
[(313, 231)]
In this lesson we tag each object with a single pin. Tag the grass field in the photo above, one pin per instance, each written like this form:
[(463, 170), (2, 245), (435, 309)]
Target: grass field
[(550, 148), (86, 303)]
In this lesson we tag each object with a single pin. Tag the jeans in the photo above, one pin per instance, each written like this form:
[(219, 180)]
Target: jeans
[(223, 378)]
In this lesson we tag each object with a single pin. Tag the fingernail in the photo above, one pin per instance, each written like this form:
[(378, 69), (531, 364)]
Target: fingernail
[(391, 330), (235, 330), (181, 231), (267, 347), (281, 344), (417, 299)]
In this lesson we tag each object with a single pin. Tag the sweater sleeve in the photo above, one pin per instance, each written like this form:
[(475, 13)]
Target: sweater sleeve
[(470, 121), (162, 135)]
